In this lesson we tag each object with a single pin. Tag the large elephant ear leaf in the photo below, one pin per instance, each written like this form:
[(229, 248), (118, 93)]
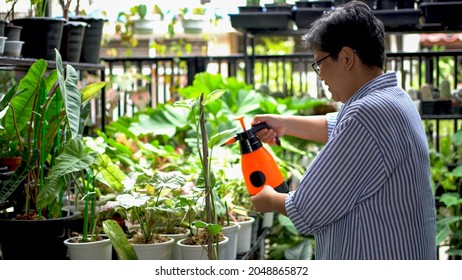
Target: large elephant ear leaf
[(71, 94)]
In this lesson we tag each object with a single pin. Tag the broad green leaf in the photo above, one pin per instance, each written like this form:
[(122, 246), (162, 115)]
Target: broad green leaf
[(301, 251), (111, 172), (287, 223), (214, 228), (161, 122), (24, 101), (120, 242), (457, 172), (451, 199), (457, 138), (74, 158)]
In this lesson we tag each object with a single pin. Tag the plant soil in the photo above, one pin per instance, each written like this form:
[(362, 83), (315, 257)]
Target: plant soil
[(79, 238), (201, 238), (32, 216), (139, 239), (176, 230)]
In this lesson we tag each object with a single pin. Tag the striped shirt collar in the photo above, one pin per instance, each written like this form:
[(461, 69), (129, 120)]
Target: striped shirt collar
[(385, 80)]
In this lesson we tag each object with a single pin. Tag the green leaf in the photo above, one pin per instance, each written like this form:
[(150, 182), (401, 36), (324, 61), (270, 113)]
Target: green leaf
[(221, 137), (214, 95), (161, 122), (301, 251), (214, 228), (457, 172), (120, 242), (19, 175), (451, 199), (73, 159), (187, 103), (7, 98), (287, 223), (442, 234), (111, 172), (457, 138), (91, 90), (199, 224), (23, 103)]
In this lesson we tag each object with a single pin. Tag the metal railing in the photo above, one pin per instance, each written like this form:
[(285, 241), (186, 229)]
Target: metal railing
[(140, 82)]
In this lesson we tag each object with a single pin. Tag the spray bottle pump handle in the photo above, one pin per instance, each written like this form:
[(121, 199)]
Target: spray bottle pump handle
[(259, 126)]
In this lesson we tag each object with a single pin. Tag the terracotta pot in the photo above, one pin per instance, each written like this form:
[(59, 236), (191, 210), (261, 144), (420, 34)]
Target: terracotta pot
[(11, 163)]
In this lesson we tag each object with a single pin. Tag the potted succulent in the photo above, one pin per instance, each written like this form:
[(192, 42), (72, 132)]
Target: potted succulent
[(53, 106)]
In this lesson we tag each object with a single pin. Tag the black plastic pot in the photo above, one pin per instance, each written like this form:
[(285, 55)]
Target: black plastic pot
[(91, 45), (305, 16), (41, 36), (393, 19), (35, 239), (444, 13), (250, 9), (253, 21), (2, 27), (72, 40)]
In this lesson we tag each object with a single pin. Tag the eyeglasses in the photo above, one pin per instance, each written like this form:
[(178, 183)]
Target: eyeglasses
[(315, 64)]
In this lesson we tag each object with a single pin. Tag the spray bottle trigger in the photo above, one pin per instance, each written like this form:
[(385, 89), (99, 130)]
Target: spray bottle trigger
[(259, 126)]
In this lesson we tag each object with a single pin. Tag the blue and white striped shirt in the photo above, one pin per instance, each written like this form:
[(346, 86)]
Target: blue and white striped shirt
[(367, 194)]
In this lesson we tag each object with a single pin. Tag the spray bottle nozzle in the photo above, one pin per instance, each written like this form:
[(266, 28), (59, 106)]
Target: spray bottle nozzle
[(230, 141)]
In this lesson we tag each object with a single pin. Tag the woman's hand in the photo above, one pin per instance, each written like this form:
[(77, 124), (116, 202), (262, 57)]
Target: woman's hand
[(269, 135), (269, 200)]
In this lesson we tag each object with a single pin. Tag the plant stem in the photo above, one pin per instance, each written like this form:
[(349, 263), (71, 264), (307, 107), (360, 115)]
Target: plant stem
[(206, 172)]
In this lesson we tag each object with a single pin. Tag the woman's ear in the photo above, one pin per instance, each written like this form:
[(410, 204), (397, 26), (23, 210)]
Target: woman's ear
[(348, 57)]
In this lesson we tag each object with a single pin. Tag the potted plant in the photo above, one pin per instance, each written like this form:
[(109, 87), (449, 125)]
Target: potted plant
[(90, 244), (40, 32), (9, 152), (73, 34), (209, 233), (137, 207), (40, 105), (144, 24)]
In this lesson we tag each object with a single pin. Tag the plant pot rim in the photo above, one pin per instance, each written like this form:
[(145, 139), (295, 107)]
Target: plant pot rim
[(170, 240), (39, 19), (180, 243), (69, 240)]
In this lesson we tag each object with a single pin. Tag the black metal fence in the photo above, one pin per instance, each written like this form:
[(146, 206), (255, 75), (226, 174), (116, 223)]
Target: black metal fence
[(139, 82)]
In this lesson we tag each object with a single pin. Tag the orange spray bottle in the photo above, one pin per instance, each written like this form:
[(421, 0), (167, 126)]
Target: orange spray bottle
[(258, 165)]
